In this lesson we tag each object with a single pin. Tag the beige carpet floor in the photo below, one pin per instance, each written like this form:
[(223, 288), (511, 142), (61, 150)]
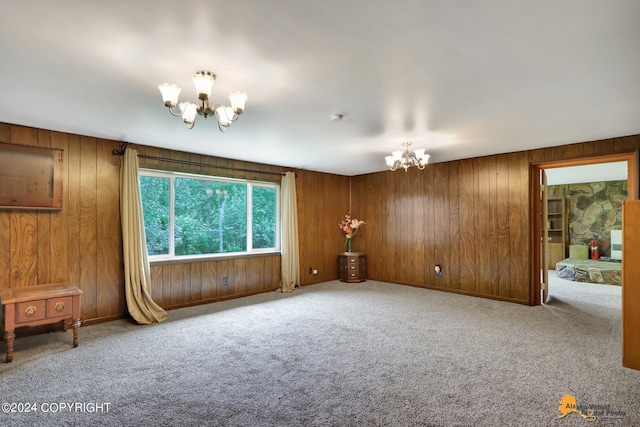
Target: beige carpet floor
[(336, 354)]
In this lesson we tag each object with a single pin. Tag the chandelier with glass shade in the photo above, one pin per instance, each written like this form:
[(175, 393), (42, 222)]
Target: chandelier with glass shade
[(402, 159), (189, 110)]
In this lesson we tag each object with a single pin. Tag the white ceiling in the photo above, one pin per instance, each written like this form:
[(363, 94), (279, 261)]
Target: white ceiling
[(613, 171), (459, 78)]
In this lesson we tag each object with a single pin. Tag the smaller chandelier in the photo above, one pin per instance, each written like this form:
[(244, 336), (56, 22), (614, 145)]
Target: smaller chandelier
[(401, 158), (203, 81)]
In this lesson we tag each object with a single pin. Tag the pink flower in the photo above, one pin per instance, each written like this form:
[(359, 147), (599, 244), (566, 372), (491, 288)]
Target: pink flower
[(350, 226)]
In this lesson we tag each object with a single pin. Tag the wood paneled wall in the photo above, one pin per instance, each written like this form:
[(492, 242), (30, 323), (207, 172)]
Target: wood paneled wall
[(183, 284), (472, 217), (81, 243), (323, 200)]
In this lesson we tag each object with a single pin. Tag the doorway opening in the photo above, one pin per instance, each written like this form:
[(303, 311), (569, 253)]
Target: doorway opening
[(550, 230)]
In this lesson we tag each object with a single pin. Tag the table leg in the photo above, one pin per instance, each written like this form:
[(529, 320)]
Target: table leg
[(9, 337), (76, 325)]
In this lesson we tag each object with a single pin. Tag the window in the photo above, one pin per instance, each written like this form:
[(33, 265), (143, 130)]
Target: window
[(192, 215)]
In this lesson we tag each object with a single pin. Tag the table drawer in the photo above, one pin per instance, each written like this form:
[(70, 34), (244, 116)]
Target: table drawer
[(57, 307), (30, 311)]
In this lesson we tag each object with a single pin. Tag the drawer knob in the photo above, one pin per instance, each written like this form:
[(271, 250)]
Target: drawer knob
[(30, 311), (59, 306)]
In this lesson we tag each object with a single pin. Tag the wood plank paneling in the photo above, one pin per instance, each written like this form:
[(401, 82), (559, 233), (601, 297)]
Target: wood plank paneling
[(403, 228), (167, 284), (464, 214), (5, 226), (453, 268), (518, 247), (323, 200), (23, 264), (109, 258), (72, 162), (441, 232), (88, 227), (209, 277), (469, 212), (391, 232), (492, 244), (195, 273), (524, 230), (482, 225), (573, 150), (631, 284), (190, 283), (422, 251), (230, 288), (177, 295), (60, 219), (44, 226), (156, 288), (466, 210)]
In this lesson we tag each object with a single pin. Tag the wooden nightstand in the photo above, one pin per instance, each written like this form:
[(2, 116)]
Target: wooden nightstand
[(352, 267), (39, 305)]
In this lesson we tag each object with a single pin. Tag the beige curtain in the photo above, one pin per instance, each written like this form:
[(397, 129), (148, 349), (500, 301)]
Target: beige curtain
[(290, 257), (137, 274)]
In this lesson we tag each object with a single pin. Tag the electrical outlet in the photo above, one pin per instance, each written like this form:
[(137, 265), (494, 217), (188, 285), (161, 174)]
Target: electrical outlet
[(438, 270), (315, 271), (310, 270), (225, 280)]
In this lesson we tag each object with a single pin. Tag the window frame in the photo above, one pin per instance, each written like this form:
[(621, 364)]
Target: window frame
[(172, 175)]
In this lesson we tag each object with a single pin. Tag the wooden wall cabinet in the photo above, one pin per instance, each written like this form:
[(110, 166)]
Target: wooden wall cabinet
[(557, 231), (30, 177), (352, 267)]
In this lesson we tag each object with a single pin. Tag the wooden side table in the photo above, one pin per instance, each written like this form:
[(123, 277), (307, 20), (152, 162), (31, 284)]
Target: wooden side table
[(39, 305), (352, 267)]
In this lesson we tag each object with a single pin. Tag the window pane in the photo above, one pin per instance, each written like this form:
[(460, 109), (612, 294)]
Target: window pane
[(155, 207), (264, 217), (210, 217)]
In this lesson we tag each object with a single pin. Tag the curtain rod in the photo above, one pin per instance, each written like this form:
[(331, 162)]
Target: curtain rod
[(120, 152)]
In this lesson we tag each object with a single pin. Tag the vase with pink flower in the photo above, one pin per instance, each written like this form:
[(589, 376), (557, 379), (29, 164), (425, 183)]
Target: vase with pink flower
[(350, 227)]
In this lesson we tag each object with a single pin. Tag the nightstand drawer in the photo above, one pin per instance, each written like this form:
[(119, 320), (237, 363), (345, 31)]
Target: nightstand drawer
[(57, 307), (30, 311)]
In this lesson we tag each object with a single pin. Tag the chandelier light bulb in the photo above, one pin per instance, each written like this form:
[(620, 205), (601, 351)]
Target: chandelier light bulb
[(390, 160), (238, 99), (170, 94), (203, 81), (223, 117), (189, 110)]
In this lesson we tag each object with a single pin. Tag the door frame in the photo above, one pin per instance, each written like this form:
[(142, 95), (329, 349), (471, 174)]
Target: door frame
[(534, 202)]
